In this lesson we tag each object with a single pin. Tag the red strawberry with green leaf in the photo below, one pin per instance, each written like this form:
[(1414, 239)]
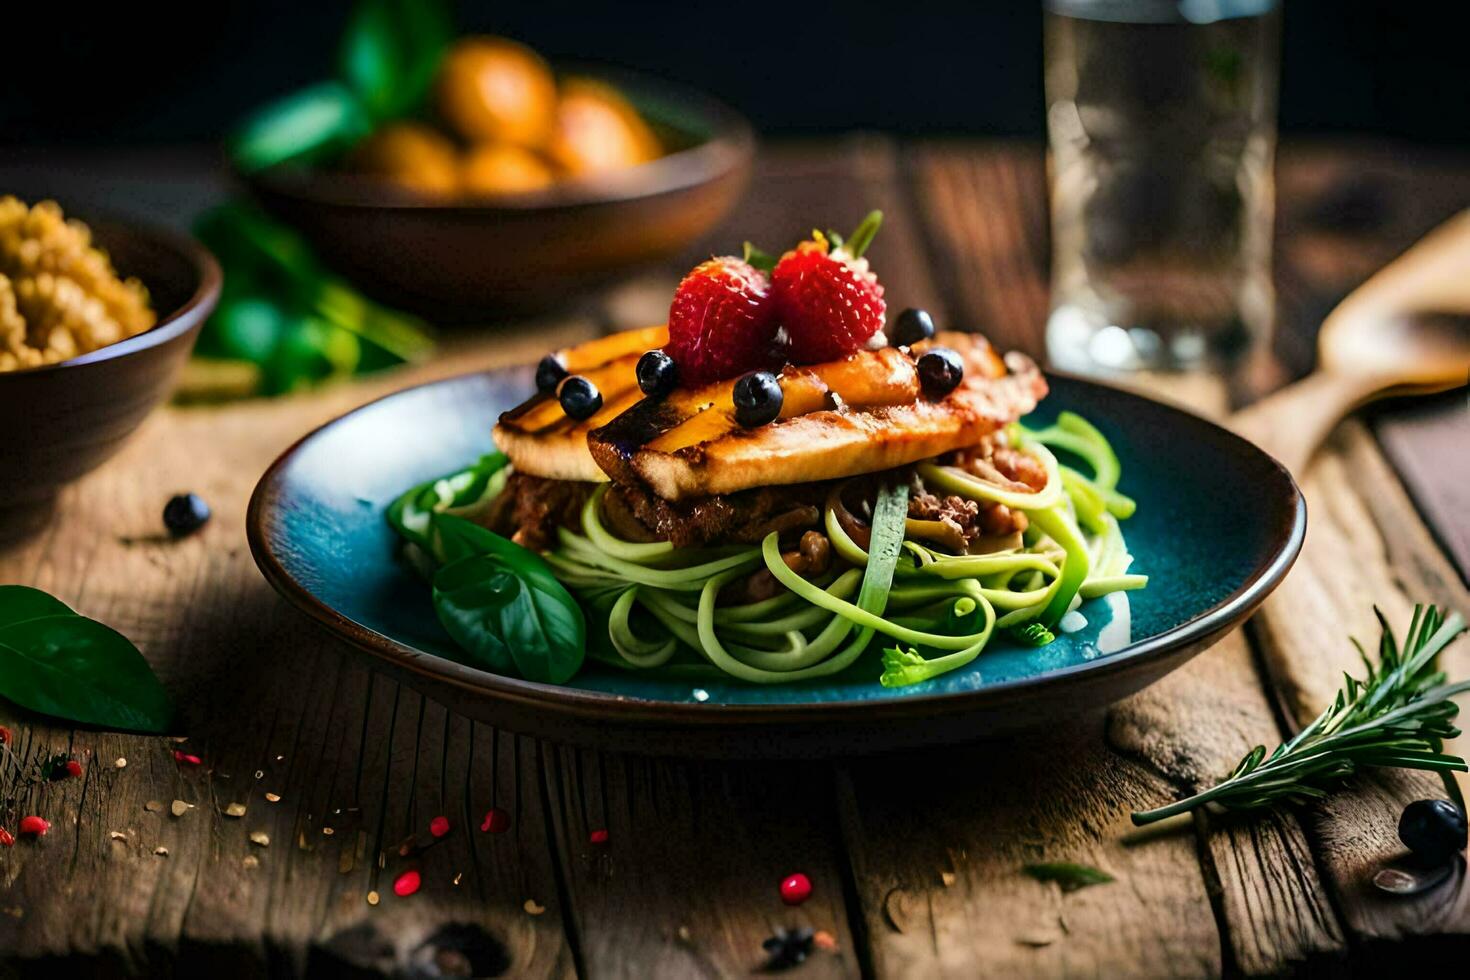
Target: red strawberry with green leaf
[(722, 321), (827, 299)]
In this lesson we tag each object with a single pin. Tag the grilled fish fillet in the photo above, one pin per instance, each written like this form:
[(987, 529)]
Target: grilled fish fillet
[(862, 414), (538, 436)]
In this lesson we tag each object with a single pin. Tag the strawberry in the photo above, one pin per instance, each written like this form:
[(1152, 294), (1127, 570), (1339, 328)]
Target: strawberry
[(722, 321), (827, 299)]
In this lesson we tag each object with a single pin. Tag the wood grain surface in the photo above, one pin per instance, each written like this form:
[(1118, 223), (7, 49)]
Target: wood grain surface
[(916, 861)]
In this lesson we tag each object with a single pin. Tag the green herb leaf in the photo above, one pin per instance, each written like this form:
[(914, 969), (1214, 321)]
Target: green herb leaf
[(312, 124), (858, 242), (57, 663), (1068, 875), (502, 604), (1398, 716), (763, 261), (464, 490), (1032, 634), (391, 50)]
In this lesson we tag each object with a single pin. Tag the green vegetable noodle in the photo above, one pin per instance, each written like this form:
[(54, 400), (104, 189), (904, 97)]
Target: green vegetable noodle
[(894, 583)]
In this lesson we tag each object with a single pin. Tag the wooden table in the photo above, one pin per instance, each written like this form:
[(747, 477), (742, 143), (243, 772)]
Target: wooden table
[(915, 859)]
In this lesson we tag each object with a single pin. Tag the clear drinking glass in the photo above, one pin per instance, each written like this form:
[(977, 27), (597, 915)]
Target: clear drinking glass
[(1161, 116)]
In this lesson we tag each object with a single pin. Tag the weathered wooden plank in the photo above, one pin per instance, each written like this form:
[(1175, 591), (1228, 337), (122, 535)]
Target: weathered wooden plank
[(1366, 546), (1427, 445), (938, 842), (688, 881), (260, 690)]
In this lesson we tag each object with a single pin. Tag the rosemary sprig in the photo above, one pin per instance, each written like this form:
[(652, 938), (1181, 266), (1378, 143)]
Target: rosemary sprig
[(1399, 715)]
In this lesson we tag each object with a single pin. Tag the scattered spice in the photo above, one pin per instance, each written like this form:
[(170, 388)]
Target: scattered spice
[(186, 758), (532, 908), (372, 898), (63, 767), (260, 774), (825, 941), (235, 810), (178, 808), (121, 763), (439, 826), (458, 877), (948, 878), (161, 851), (153, 806), (260, 838), (118, 835), (787, 948), (7, 839), (34, 826), (597, 838), (272, 798), (796, 889), (4, 735), (497, 821), (250, 861), (406, 884), (328, 831)]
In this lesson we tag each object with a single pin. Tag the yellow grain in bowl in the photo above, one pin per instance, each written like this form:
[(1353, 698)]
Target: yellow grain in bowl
[(59, 295)]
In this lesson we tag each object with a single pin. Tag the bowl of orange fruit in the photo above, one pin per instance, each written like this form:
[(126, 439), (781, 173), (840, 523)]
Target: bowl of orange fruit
[(508, 186)]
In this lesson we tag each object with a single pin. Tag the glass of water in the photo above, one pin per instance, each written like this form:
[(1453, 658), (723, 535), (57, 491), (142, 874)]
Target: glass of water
[(1161, 117)]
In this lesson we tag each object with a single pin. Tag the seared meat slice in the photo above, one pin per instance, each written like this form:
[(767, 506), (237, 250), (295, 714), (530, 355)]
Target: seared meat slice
[(734, 518), (531, 508)]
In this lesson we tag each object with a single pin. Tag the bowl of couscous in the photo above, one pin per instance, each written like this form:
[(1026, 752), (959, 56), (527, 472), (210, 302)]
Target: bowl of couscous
[(95, 322)]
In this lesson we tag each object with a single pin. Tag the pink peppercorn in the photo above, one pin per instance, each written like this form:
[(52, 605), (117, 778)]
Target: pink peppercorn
[(796, 889), (439, 826), (406, 884)]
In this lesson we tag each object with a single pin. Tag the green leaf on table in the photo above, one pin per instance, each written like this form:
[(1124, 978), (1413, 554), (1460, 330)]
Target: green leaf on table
[(1068, 875), (312, 124), (55, 662), (503, 605), (390, 51)]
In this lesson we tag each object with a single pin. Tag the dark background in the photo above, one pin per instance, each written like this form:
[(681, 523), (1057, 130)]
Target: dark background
[(171, 71)]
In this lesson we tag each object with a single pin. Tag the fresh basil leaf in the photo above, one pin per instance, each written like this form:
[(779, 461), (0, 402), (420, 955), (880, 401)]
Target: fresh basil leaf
[(57, 663), (19, 603), (1068, 875), (468, 488), (391, 50), (468, 597), (314, 123), (537, 622)]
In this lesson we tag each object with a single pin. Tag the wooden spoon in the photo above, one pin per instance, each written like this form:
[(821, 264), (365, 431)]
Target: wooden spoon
[(1404, 331)]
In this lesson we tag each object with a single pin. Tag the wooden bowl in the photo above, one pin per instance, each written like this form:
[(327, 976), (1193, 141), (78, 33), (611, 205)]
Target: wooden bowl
[(466, 259), (70, 417)]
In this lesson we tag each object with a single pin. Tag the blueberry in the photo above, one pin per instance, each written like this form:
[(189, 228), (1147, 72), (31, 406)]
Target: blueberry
[(940, 370), (579, 397), (911, 327), (184, 514), (1433, 829), (657, 373), (549, 373), (758, 399)]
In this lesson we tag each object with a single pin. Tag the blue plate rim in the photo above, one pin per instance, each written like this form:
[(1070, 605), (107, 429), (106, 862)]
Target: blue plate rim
[(1197, 631)]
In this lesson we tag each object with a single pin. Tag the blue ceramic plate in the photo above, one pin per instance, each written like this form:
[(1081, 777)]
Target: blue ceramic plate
[(1218, 525)]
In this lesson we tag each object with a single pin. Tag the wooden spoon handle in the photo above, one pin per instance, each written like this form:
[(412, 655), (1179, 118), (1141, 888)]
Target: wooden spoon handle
[(1291, 423)]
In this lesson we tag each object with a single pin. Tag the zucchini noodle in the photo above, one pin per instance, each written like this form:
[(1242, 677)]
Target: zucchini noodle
[(744, 612)]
